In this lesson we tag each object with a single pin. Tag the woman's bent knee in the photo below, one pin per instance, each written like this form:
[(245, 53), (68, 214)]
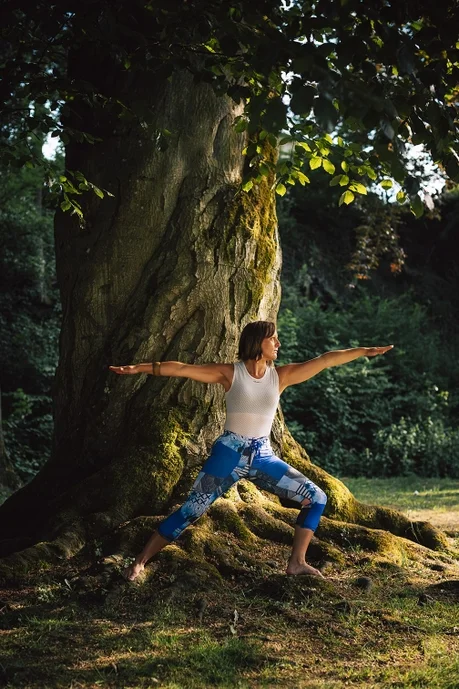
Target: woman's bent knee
[(320, 497)]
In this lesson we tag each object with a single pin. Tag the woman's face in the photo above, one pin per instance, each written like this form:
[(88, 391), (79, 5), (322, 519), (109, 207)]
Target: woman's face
[(269, 347)]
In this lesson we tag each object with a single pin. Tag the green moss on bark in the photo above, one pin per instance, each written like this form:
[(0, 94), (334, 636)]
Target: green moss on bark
[(226, 517)]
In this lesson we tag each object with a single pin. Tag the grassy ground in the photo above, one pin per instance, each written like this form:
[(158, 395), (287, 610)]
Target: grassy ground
[(430, 499), (371, 623)]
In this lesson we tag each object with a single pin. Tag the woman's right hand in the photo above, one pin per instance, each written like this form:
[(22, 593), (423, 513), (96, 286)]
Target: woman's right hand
[(124, 370)]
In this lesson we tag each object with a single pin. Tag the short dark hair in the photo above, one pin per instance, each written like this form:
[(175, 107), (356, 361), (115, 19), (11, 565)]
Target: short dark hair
[(251, 338)]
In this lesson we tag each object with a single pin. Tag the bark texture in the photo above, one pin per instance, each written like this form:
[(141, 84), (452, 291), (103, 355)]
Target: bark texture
[(171, 267)]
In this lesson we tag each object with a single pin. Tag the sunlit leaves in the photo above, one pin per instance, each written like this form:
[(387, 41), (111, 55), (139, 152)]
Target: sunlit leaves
[(358, 188), (346, 197), (337, 79), (386, 184), (301, 177), (74, 184), (328, 166), (303, 145), (281, 189)]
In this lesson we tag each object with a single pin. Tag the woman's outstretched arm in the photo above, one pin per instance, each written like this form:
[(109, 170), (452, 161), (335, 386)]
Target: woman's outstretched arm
[(205, 373), (291, 374)]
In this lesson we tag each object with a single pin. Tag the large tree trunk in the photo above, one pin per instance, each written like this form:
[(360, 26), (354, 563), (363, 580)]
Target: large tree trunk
[(171, 267)]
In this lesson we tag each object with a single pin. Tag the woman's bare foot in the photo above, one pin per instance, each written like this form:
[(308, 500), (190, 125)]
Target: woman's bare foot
[(303, 568), (133, 571)]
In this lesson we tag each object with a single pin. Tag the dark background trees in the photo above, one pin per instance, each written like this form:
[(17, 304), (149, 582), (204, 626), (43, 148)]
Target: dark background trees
[(399, 417), (29, 318)]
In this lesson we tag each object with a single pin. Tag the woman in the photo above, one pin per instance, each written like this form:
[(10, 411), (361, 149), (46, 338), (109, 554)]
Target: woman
[(252, 389)]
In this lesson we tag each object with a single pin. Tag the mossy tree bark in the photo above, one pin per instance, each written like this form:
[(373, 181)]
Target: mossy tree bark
[(171, 267)]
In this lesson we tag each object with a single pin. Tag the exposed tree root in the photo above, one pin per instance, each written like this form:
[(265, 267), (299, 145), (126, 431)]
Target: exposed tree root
[(343, 506), (227, 537)]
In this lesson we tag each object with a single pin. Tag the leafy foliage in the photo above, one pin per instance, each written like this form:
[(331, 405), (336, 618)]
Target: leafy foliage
[(382, 416), (29, 319), (28, 430), (376, 75), (374, 417)]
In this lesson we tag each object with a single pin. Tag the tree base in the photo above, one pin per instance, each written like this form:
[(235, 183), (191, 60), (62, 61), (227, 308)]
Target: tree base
[(227, 539)]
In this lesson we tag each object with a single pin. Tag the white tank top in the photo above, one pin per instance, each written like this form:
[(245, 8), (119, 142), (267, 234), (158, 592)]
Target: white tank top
[(252, 402)]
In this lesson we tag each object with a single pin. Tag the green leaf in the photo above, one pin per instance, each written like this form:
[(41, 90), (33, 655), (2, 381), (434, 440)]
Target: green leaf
[(241, 125), (281, 189), (248, 185), (359, 188), (386, 184), (344, 166), (347, 197), (328, 166), (315, 162), (401, 196), (98, 192), (76, 210), (304, 145), (344, 180), (65, 204), (302, 178), (370, 172), (335, 181), (416, 206)]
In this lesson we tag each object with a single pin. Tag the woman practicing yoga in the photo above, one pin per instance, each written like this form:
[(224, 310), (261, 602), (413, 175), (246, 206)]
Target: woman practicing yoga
[(252, 389)]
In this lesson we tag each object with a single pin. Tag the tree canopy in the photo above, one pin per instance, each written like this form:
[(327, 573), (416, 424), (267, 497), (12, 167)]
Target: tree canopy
[(346, 84)]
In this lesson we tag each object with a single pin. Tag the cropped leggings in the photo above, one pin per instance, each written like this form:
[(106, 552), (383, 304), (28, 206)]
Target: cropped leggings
[(234, 457)]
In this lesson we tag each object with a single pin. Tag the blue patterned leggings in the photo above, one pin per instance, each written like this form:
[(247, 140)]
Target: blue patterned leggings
[(234, 457)]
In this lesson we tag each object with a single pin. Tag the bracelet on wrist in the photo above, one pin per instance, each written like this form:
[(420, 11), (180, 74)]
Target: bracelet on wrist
[(156, 368)]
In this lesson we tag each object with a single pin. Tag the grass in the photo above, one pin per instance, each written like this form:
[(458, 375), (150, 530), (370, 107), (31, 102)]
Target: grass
[(407, 492), (430, 499), (260, 630)]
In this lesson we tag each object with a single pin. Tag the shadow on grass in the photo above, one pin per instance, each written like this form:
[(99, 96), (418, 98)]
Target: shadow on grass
[(45, 650)]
